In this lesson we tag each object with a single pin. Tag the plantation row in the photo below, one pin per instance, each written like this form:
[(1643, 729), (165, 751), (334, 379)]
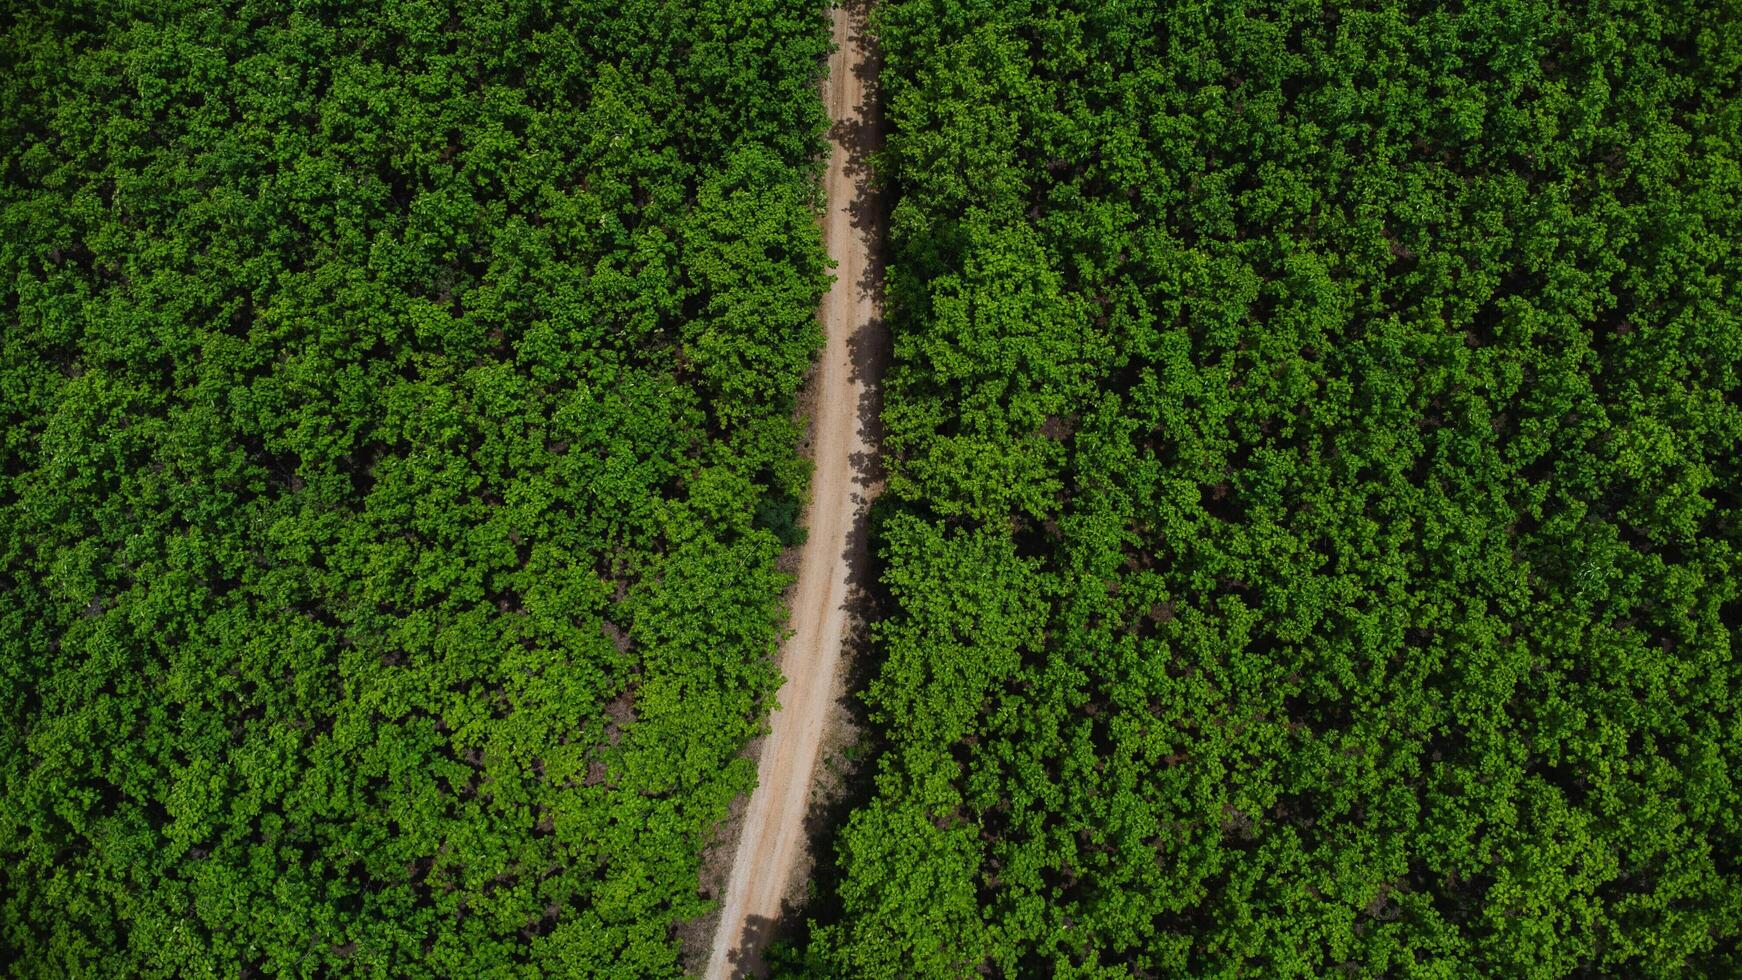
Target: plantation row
[(396, 442), (1315, 516)]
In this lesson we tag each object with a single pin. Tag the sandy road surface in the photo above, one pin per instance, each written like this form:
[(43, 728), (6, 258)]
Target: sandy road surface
[(833, 558)]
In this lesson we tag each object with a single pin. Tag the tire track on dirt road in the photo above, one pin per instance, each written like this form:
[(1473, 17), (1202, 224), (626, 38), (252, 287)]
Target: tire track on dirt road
[(834, 560)]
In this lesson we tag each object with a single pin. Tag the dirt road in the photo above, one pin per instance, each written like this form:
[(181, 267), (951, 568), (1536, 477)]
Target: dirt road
[(833, 559)]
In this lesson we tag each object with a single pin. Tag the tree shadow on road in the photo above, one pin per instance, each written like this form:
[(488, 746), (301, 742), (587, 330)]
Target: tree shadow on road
[(843, 778)]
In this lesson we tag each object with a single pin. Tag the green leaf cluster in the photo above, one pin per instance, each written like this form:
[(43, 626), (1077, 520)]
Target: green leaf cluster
[(1314, 530), (393, 401)]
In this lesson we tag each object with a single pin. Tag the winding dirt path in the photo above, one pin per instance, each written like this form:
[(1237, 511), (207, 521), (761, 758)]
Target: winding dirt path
[(833, 560)]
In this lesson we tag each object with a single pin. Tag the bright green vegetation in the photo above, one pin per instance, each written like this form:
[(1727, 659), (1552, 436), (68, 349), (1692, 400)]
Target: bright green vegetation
[(1315, 530), (395, 449)]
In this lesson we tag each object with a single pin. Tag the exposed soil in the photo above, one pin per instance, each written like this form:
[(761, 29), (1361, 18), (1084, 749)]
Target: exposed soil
[(767, 870)]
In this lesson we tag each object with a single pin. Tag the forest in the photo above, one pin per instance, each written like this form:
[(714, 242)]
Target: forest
[(1314, 532), (397, 441), (1312, 539)]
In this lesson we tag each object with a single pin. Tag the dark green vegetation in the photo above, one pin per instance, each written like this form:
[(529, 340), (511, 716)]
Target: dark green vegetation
[(395, 429), (1314, 525)]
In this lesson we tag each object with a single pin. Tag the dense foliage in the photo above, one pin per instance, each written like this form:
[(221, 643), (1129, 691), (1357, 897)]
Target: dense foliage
[(1315, 518), (396, 443)]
